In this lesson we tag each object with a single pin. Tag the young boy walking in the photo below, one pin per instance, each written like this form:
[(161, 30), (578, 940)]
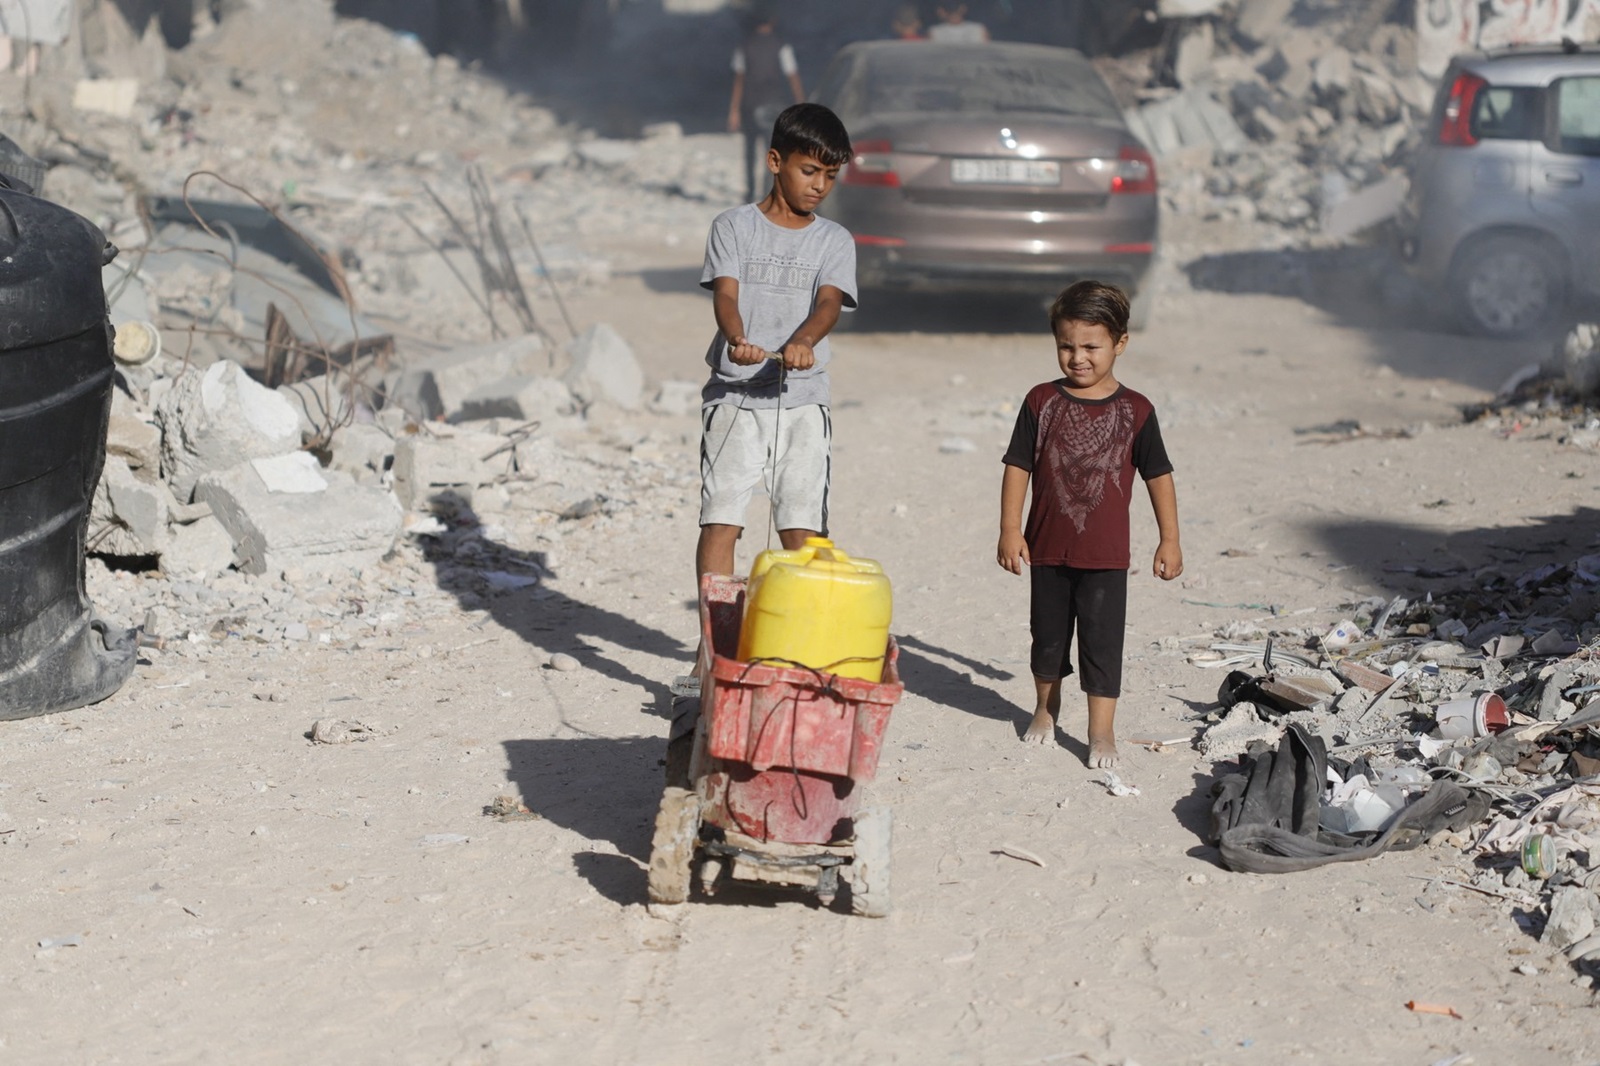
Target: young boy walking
[(780, 276), (1080, 439)]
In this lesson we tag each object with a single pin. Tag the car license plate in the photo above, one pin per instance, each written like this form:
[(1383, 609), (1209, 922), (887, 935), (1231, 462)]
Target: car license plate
[(1005, 172)]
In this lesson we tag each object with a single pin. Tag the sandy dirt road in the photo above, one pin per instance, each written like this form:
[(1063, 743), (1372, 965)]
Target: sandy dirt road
[(188, 880)]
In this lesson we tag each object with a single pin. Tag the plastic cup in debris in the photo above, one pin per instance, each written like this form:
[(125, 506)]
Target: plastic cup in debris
[(1539, 856), (1472, 716), (136, 344), (1342, 636)]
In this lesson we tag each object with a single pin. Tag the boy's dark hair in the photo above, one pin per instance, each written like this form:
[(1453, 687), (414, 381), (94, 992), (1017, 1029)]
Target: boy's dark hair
[(814, 130), (1094, 302)]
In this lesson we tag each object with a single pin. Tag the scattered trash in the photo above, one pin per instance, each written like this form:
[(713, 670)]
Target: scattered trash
[(1418, 1007), (1113, 784), (72, 940), (1020, 853), (439, 840), (339, 731), (510, 809)]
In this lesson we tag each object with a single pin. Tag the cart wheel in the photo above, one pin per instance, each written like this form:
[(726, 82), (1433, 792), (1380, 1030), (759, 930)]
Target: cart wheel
[(672, 849), (869, 869)]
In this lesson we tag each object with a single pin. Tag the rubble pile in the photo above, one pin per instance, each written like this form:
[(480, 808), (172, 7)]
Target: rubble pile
[(1492, 685), (337, 301), (1264, 116), (212, 508)]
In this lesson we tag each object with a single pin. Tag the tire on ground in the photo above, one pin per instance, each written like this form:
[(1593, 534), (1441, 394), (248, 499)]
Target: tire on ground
[(870, 867), (1508, 285), (672, 848)]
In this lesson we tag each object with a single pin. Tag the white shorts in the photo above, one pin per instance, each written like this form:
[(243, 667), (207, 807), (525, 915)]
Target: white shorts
[(786, 450)]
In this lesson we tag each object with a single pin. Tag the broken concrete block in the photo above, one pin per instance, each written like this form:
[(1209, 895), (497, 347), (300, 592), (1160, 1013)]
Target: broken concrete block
[(526, 398), (1192, 61), (200, 549), (604, 368), (425, 466), (107, 96), (437, 386), (1571, 918), (361, 450), (127, 516), (217, 418), (137, 443), (347, 525), (1332, 73), (1237, 731), (1258, 21), (676, 398), (1377, 101), (1366, 208), (320, 403), (297, 473)]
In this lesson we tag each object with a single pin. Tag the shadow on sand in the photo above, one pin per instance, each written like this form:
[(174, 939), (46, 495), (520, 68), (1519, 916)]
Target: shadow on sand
[(1406, 556), (509, 583)]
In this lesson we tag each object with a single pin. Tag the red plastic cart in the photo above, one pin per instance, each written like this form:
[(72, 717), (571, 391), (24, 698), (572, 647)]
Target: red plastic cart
[(767, 788)]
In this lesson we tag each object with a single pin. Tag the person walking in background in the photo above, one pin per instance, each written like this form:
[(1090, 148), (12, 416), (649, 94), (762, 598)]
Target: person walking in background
[(907, 24), (766, 79), (954, 27)]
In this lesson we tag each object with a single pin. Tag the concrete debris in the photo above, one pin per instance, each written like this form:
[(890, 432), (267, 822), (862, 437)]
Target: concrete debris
[(197, 551), (676, 398), (439, 386), (1233, 734), (127, 516), (426, 466), (603, 367), (1505, 704), (217, 418), (525, 398), (343, 526)]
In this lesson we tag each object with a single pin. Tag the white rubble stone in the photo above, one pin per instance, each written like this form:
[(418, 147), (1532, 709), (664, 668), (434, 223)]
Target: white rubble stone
[(1261, 20), (137, 442), (1232, 736), (127, 516), (604, 368), (437, 386), (525, 397), (297, 472), (198, 550), (603, 152), (217, 418), (348, 525), (362, 449), (427, 465), (676, 398), (1571, 918), (1333, 72)]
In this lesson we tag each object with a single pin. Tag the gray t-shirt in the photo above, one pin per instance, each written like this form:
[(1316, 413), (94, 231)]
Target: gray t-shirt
[(779, 273)]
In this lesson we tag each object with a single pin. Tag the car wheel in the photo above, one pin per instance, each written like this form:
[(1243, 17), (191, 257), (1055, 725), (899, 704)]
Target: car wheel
[(1508, 287)]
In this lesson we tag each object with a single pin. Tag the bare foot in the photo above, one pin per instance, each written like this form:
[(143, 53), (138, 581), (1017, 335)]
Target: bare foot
[(1042, 729), (1103, 753), (1102, 735)]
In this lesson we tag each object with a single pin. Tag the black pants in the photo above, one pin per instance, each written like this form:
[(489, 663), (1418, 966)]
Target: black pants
[(1095, 602)]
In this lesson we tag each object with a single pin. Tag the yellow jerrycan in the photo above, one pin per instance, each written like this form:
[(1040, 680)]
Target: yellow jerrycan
[(818, 607)]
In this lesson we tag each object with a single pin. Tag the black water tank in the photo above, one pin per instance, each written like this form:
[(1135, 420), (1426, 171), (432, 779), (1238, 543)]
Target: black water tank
[(55, 400)]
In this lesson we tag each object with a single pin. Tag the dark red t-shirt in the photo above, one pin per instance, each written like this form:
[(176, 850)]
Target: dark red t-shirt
[(1082, 455)]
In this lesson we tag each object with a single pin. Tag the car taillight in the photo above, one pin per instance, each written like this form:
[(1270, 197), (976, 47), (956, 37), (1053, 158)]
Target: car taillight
[(872, 165), (1455, 125), (1136, 172)]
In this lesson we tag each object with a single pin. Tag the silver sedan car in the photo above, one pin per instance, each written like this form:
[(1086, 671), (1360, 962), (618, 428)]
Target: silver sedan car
[(989, 167)]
